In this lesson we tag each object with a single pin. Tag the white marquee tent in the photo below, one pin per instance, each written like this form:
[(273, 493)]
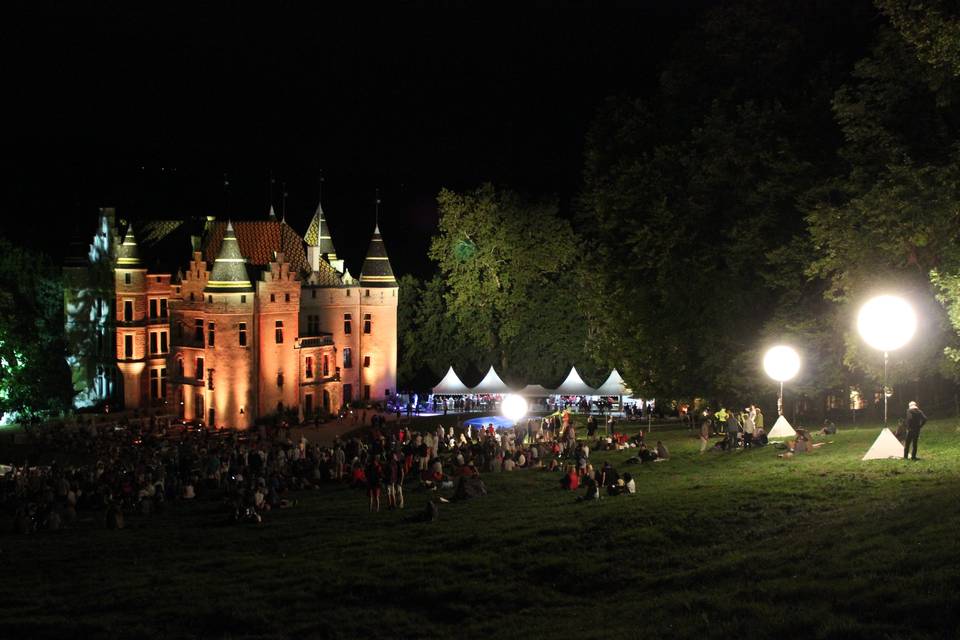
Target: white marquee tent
[(450, 385), (535, 391), (614, 386), (574, 386), (491, 383)]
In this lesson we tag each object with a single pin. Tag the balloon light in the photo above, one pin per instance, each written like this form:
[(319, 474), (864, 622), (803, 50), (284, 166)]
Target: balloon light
[(781, 363), (886, 323), (513, 407)]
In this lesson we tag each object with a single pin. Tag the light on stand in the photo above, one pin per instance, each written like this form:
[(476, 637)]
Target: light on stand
[(781, 363), (886, 323), (513, 407)]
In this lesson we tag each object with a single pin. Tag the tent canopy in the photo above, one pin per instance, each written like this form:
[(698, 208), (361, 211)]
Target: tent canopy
[(574, 386), (450, 385), (614, 386), (885, 446), (781, 429), (535, 391), (491, 383)]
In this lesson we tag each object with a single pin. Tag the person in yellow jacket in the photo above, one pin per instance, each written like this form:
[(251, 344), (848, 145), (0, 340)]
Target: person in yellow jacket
[(720, 417)]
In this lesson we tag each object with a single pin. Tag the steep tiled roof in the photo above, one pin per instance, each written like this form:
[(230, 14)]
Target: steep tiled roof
[(325, 276), (128, 255), (230, 268), (258, 241), (318, 234), (376, 271)]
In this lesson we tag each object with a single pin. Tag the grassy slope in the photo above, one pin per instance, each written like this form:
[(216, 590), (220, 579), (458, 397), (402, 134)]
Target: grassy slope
[(720, 545)]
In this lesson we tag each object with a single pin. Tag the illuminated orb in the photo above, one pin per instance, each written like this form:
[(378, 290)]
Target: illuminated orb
[(513, 407), (781, 363), (886, 322)]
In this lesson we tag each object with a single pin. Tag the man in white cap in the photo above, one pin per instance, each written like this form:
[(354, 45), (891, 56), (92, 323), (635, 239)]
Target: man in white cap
[(915, 420)]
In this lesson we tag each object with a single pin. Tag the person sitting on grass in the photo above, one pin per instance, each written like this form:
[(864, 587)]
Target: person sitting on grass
[(570, 479), (662, 452), (592, 491), (829, 428), (629, 484)]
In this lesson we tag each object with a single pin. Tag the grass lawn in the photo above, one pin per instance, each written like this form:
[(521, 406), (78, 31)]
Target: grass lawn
[(713, 546)]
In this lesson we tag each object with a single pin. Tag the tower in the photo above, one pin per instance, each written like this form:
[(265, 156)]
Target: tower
[(377, 323), (278, 318), (130, 277), (226, 331)]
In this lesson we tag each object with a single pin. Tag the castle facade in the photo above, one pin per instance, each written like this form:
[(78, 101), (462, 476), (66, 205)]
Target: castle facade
[(228, 322)]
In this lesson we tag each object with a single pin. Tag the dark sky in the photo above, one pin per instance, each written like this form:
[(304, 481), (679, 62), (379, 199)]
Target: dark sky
[(147, 112)]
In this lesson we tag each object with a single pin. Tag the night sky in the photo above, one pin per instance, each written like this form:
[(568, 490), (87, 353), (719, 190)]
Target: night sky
[(147, 112)]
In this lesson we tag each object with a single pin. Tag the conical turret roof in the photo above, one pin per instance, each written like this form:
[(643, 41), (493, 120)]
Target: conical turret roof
[(229, 273), (376, 271), (128, 255), (318, 234)]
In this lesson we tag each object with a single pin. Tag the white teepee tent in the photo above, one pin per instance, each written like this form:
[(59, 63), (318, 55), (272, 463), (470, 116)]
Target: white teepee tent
[(575, 386), (781, 429), (885, 446), (491, 383)]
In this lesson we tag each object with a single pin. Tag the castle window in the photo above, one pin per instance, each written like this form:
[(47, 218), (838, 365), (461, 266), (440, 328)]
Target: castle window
[(367, 294), (347, 328), (366, 323), (279, 331), (243, 299), (127, 278), (366, 361), (210, 379), (159, 279), (309, 368), (153, 342), (163, 342), (199, 372), (158, 383), (280, 378), (326, 366), (179, 367), (242, 333), (210, 299), (348, 293), (313, 293), (163, 307), (128, 310), (211, 333), (347, 358), (128, 346), (286, 297), (273, 297), (192, 298), (366, 392), (198, 331), (313, 325), (153, 308)]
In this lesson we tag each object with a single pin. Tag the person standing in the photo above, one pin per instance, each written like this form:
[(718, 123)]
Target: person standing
[(915, 421), (749, 426), (733, 431)]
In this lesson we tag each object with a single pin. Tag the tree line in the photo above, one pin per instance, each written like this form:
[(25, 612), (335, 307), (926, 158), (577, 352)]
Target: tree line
[(795, 158)]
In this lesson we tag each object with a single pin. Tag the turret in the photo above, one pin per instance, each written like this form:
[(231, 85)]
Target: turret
[(376, 271), (229, 273), (320, 243)]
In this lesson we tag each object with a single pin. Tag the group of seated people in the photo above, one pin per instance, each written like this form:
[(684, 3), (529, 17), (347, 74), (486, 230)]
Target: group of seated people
[(594, 481)]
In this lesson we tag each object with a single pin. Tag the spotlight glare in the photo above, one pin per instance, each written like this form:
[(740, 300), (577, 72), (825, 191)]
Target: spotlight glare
[(886, 323), (781, 363), (513, 407)]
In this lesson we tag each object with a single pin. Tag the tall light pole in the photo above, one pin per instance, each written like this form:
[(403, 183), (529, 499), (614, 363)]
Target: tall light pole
[(886, 323), (781, 363)]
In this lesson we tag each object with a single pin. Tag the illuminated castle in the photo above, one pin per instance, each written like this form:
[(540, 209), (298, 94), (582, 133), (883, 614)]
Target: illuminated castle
[(260, 320)]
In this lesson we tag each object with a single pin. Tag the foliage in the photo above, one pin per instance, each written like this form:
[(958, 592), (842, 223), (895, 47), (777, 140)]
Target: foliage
[(509, 274), (932, 26), (34, 378)]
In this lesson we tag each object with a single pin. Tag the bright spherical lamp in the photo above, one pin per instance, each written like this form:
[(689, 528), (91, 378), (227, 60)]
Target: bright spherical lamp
[(513, 407), (886, 323), (781, 363)]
